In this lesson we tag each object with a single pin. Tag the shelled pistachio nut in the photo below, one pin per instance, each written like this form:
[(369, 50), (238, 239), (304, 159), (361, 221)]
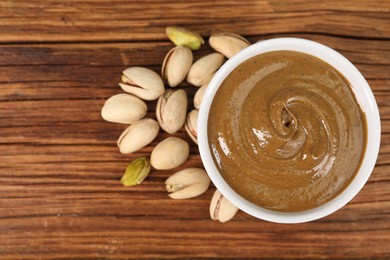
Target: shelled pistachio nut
[(171, 110), (184, 37), (124, 109), (199, 95), (142, 82), (187, 183), (228, 43), (176, 65), (204, 69), (170, 153), (221, 209), (136, 172), (138, 135), (191, 125)]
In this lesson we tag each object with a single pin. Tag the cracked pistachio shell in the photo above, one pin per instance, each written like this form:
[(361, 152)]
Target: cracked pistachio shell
[(203, 70), (138, 135), (228, 43), (221, 209), (187, 183), (199, 95), (176, 65), (124, 109), (171, 110), (184, 37), (142, 82), (170, 153), (136, 172), (191, 125)]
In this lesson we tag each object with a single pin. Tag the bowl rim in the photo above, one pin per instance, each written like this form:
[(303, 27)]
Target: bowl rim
[(363, 94)]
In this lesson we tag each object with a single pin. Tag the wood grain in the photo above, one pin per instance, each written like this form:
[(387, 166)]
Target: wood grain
[(119, 20), (60, 196)]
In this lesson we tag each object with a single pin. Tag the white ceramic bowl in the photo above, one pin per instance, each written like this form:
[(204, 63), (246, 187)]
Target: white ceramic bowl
[(363, 94)]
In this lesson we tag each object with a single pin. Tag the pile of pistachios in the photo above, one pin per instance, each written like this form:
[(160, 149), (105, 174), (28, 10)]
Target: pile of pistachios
[(171, 112)]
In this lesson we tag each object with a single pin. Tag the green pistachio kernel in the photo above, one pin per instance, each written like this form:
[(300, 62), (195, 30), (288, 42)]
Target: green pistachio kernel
[(183, 37), (136, 172)]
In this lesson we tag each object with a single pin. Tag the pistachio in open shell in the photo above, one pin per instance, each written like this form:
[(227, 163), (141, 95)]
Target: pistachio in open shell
[(191, 125), (184, 37), (142, 82), (228, 43), (199, 95), (221, 209), (171, 110), (203, 70), (170, 153), (187, 183), (123, 109), (138, 135), (176, 65)]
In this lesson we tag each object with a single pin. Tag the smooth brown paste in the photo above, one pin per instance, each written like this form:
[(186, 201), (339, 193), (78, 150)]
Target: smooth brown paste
[(286, 131)]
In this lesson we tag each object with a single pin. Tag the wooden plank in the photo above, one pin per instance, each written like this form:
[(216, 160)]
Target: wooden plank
[(85, 71), (60, 170), (104, 20), (60, 196)]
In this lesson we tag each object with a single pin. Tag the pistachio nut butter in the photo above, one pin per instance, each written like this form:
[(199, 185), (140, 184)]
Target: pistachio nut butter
[(286, 131)]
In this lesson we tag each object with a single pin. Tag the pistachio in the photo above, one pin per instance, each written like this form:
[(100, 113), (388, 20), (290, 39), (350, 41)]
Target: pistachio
[(199, 95), (176, 65), (124, 109), (187, 183), (183, 37), (136, 172), (221, 209), (203, 70), (171, 110), (142, 82), (138, 135), (228, 43), (191, 125), (170, 153)]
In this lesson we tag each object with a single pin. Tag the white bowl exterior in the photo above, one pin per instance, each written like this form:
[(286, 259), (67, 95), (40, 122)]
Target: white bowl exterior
[(363, 94)]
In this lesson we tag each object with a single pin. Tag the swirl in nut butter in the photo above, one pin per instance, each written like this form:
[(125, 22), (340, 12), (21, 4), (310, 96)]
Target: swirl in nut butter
[(286, 131)]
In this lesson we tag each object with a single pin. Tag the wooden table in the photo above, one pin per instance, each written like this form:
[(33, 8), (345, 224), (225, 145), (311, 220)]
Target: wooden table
[(60, 195)]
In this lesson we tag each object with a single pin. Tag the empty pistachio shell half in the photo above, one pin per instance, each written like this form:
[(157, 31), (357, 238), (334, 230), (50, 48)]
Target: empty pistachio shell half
[(170, 153), (176, 65), (228, 43), (124, 109), (204, 69), (142, 82), (138, 135), (183, 37), (136, 172), (191, 125), (187, 183), (199, 95), (171, 110), (221, 209)]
